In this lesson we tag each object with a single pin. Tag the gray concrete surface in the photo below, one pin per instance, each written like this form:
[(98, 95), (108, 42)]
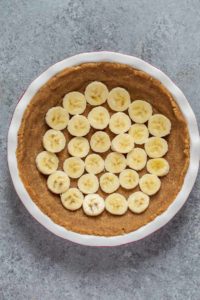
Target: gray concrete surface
[(35, 264)]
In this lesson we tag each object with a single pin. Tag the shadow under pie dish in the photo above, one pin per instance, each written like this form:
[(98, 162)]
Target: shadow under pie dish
[(139, 85)]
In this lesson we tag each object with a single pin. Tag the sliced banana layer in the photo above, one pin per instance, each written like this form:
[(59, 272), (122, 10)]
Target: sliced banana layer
[(109, 183), (94, 164), (119, 99), (74, 103), (159, 125), (116, 204), (72, 199), (129, 179), (54, 141), (88, 183), (156, 147), (119, 123), (100, 142), (96, 93), (93, 205), (123, 143), (149, 184), (57, 118), (138, 202), (140, 111), (47, 162), (99, 117), (78, 147), (58, 182), (158, 166), (140, 133), (115, 162), (78, 126), (136, 159), (74, 167)]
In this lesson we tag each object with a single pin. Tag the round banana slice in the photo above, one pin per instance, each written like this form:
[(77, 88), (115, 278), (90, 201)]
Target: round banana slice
[(109, 183), (119, 123), (140, 111), (93, 205), (78, 147), (100, 142), (57, 118), (58, 182), (156, 147), (149, 184), (140, 133), (54, 141), (47, 162), (129, 179), (159, 125), (88, 183), (138, 202), (116, 204), (96, 93), (74, 103), (72, 199), (78, 125), (99, 117), (94, 163), (158, 166), (115, 162), (119, 99), (123, 143), (74, 167), (136, 159)]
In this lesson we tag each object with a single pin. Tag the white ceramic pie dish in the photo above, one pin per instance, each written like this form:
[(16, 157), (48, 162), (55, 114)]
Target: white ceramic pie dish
[(159, 221)]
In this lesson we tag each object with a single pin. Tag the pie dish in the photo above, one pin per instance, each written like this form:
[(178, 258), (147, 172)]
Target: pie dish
[(143, 82)]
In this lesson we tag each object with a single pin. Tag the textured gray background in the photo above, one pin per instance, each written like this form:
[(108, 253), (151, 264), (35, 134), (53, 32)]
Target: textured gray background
[(34, 264)]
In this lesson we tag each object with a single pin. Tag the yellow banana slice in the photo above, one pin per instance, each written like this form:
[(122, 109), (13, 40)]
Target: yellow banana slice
[(94, 164), (123, 143), (116, 204), (140, 111), (140, 133), (74, 167), (78, 147), (109, 183), (119, 99), (54, 141), (96, 93), (136, 159), (100, 142), (129, 179), (58, 182), (115, 162), (158, 166), (149, 184), (72, 199), (57, 118), (47, 162), (78, 126), (159, 125), (88, 183), (74, 103), (99, 117), (138, 202), (156, 147), (119, 123), (93, 205)]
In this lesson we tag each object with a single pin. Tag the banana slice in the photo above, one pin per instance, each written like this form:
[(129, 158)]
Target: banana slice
[(74, 167), (47, 162), (54, 141), (78, 125), (93, 205), (57, 118), (99, 117), (140, 133), (123, 143), (115, 162), (158, 166), (138, 202), (116, 204), (94, 164), (72, 199), (119, 99), (140, 111), (119, 123), (156, 147), (129, 179), (109, 183), (78, 147), (159, 125), (96, 93), (74, 103), (58, 182), (88, 183), (136, 159), (149, 184), (100, 142)]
